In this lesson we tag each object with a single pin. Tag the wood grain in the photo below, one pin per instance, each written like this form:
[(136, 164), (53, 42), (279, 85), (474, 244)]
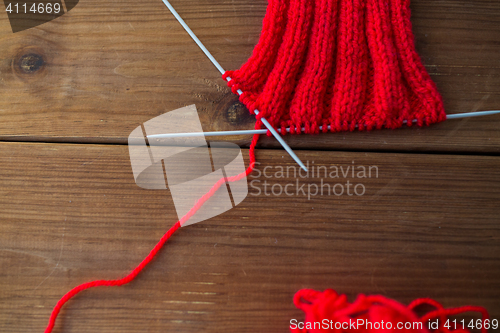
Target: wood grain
[(108, 67), (70, 211), (428, 225)]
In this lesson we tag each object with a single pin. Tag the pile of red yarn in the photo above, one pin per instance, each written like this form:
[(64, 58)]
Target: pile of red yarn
[(329, 311), (339, 64)]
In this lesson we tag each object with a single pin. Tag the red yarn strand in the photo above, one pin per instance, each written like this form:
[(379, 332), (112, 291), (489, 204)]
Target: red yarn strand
[(133, 274)]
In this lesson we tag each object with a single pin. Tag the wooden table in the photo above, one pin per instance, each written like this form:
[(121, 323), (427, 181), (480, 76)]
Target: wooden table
[(70, 211)]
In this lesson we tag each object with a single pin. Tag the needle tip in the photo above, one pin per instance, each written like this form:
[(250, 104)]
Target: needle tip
[(472, 114)]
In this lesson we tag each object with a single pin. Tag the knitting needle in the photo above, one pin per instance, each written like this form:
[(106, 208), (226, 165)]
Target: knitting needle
[(222, 71), (472, 114), (264, 131)]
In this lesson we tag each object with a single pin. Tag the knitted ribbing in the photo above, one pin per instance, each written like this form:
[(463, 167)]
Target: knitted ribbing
[(342, 63)]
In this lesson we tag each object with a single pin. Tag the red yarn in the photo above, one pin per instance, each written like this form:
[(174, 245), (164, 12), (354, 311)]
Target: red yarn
[(343, 63), (132, 275), (316, 305), (328, 309)]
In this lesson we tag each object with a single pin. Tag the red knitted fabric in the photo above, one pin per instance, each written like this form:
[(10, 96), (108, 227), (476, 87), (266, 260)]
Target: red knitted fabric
[(329, 311), (344, 63)]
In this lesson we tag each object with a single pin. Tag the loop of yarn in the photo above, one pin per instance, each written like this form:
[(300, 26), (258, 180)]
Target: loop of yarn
[(340, 314), (344, 63)]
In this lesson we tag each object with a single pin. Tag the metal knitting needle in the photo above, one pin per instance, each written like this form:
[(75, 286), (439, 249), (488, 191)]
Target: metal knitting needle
[(222, 71), (472, 114), (263, 131)]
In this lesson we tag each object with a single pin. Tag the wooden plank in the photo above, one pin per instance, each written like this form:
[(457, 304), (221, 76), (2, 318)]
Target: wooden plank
[(426, 226), (108, 67)]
